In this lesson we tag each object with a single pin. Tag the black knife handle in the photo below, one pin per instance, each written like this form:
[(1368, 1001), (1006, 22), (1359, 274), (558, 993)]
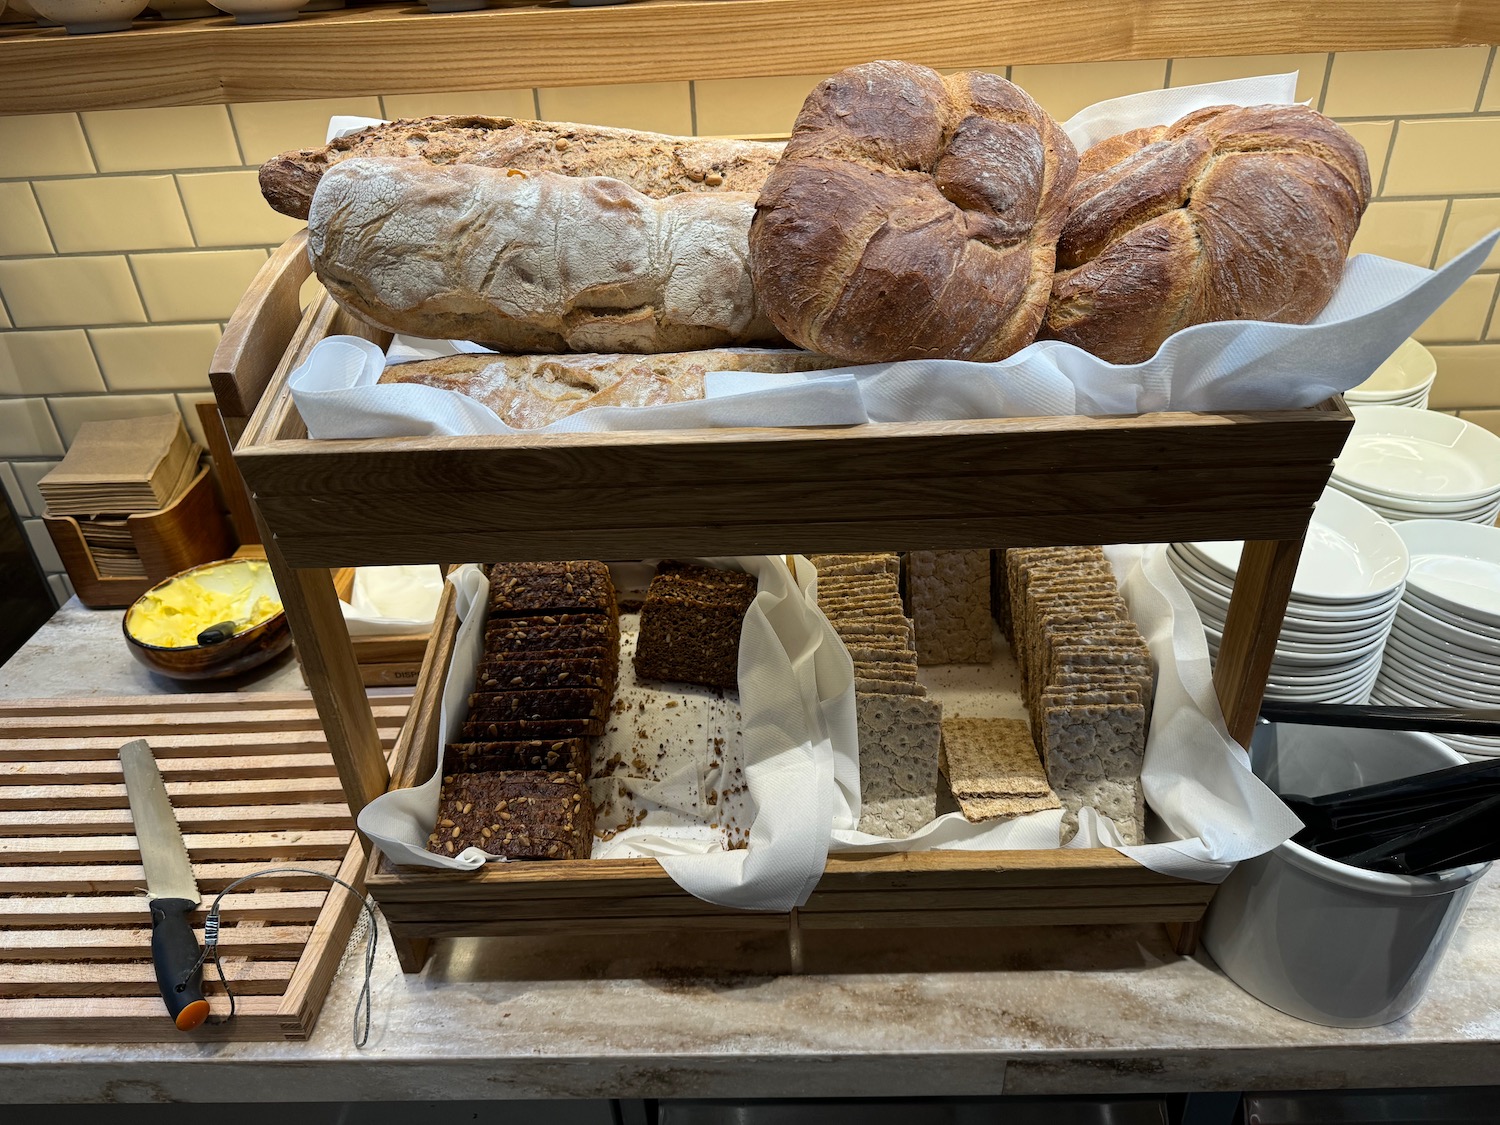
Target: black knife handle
[(174, 950)]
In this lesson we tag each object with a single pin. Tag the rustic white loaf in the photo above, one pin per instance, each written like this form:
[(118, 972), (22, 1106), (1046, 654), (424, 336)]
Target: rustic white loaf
[(534, 262)]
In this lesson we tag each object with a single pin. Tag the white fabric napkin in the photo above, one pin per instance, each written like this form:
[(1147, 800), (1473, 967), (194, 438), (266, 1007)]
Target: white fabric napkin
[(797, 716), (1213, 811), (1226, 366), (392, 601)]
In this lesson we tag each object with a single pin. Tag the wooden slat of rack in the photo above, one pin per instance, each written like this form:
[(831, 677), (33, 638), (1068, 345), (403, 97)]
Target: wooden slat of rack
[(389, 50), (253, 787)]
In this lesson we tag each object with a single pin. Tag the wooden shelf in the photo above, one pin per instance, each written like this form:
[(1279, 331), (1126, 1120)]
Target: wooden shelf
[(405, 49)]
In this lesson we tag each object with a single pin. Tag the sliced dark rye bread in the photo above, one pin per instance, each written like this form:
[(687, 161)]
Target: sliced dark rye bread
[(575, 587), (568, 755), (485, 730), (543, 672), (520, 814), (538, 705)]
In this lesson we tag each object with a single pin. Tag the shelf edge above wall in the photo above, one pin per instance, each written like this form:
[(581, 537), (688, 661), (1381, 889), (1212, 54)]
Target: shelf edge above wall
[(403, 49)]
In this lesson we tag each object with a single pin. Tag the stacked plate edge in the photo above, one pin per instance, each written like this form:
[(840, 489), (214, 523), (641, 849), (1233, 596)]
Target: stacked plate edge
[(1420, 464), (1444, 646), (1348, 586), (1404, 379)]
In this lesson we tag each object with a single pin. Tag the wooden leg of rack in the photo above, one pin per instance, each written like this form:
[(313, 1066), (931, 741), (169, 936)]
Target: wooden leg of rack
[(411, 952), (327, 655), (1256, 608), (1185, 937)]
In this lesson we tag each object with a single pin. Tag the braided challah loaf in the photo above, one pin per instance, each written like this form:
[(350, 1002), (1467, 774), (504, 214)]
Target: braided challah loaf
[(1232, 213), (912, 216)]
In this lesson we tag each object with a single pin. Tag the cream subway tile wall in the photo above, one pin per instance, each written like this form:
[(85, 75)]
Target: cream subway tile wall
[(156, 357), (491, 103), (266, 128), (142, 140), (198, 285), (227, 209), (658, 107), (106, 213), (12, 486), (48, 363), (62, 589), (1464, 315), (127, 236), (1062, 89), (1489, 419), (22, 230), (42, 546), (49, 292), (1311, 71), (750, 106), (188, 404)]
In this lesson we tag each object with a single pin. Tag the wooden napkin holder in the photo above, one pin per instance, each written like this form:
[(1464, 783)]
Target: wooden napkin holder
[(188, 531)]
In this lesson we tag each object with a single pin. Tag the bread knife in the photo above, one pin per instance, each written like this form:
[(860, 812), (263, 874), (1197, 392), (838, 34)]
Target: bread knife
[(172, 892)]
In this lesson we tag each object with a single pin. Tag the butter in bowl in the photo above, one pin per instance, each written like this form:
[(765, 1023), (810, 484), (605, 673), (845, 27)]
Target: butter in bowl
[(208, 623)]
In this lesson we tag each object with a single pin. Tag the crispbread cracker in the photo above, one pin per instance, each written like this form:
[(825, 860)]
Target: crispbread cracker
[(949, 596), (993, 769), (1122, 801), (899, 736)]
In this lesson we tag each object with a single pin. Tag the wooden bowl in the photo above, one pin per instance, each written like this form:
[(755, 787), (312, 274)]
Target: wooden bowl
[(247, 649)]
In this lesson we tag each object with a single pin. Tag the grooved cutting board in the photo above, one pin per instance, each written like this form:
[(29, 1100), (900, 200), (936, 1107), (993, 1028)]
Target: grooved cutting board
[(253, 786)]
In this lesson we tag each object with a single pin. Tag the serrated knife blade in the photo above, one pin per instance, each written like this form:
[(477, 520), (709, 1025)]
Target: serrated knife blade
[(163, 854), (172, 892)]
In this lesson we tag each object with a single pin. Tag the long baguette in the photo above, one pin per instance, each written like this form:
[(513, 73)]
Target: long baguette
[(655, 164), (534, 262)]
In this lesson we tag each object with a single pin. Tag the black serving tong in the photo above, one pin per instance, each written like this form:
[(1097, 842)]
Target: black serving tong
[(1411, 826)]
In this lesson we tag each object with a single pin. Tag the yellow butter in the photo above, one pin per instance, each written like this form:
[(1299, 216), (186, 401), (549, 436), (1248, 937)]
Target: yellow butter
[(173, 615)]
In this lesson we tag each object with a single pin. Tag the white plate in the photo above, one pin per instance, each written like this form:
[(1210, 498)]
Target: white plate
[(1350, 556), (1477, 650), (1409, 368), (1312, 616), (1401, 666), (1425, 693), (1456, 566), (1414, 509), (1418, 619), (1420, 454)]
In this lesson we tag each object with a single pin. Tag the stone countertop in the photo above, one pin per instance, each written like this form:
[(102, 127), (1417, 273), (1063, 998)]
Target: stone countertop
[(1018, 1011)]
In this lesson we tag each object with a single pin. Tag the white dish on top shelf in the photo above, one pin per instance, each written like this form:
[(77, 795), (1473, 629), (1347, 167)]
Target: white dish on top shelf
[(1309, 616), (1404, 379), (1420, 455), (261, 11), (90, 17)]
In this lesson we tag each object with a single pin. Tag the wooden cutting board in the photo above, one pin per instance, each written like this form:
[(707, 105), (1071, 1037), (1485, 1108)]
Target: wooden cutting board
[(253, 786)]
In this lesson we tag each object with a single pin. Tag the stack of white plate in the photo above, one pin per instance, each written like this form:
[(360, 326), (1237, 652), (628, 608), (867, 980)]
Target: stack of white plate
[(1419, 465), (1344, 597), (1444, 648), (1402, 380)]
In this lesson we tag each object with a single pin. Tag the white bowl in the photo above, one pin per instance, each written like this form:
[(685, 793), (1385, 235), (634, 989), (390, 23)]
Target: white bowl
[(1410, 369), (25, 8), (87, 17), (1423, 675), (1476, 652), (1421, 455), (1350, 556), (1426, 693), (260, 11), (1456, 566), (183, 9)]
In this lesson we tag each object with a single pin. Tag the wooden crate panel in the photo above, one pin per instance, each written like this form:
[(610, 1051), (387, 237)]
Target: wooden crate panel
[(253, 786)]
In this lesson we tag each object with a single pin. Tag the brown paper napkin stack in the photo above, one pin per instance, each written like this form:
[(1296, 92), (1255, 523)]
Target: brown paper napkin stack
[(115, 469)]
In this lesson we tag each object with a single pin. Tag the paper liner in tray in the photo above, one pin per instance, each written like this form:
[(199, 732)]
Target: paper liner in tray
[(768, 760)]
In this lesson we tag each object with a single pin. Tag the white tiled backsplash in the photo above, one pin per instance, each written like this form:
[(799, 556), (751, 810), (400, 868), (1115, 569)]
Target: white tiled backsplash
[(127, 236)]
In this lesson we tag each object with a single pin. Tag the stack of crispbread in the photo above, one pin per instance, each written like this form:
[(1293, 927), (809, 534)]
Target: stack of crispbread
[(949, 594), (900, 729), (1086, 678), (993, 769)]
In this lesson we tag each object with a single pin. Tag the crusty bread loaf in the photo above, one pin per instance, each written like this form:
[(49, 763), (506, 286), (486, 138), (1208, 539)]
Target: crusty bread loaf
[(913, 216), (534, 262), (1234, 212), (652, 163), (529, 391)]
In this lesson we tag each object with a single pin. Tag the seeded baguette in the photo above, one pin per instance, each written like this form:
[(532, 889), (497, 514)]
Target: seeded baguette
[(655, 164)]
